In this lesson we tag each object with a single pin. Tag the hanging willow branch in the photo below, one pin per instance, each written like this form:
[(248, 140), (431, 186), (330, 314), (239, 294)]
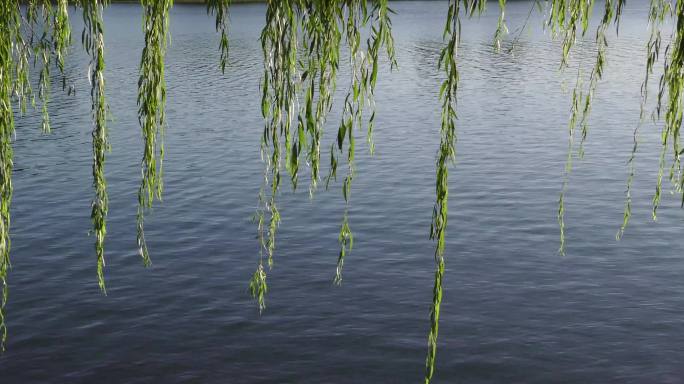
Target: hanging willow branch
[(22, 51), (672, 87), (279, 89), (657, 12), (612, 12), (151, 109), (61, 36), (43, 33), (322, 37), (10, 18), (93, 42), (501, 28), (49, 35), (364, 70), (219, 8), (356, 18), (320, 23), (40, 13), (568, 17), (445, 156), (381, 36)]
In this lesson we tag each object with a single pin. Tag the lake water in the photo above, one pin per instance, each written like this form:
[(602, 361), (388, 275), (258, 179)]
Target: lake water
[(514, 311)]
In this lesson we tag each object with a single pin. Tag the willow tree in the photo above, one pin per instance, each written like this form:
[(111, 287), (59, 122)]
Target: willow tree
[(301, 45)]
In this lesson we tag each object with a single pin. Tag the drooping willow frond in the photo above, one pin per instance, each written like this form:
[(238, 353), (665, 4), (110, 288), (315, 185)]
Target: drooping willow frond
[(219, 8), (322, 21), (41, 13), (381, 36), (10, 19), (501, 28), (356, 18), (536, 4), (567, 17), (21, 36), (364, 71), (672, 87), (61, 35), (93, 42), (657, 12), (151, 109), (574, 115), (21, 88), (44, 33), (445, 156), (611, 14), (580, 12), (279, 39)]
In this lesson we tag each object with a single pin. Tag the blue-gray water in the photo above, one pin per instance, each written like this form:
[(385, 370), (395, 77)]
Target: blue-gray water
[(514, 311)]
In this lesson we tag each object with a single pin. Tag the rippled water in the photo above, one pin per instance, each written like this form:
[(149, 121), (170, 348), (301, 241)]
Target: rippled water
[(513, 311)]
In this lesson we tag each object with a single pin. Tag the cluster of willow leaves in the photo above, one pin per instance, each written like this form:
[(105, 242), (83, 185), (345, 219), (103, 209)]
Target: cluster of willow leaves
[(301, 42)]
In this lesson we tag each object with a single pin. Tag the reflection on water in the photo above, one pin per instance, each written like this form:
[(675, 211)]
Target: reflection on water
[(513, 311)]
